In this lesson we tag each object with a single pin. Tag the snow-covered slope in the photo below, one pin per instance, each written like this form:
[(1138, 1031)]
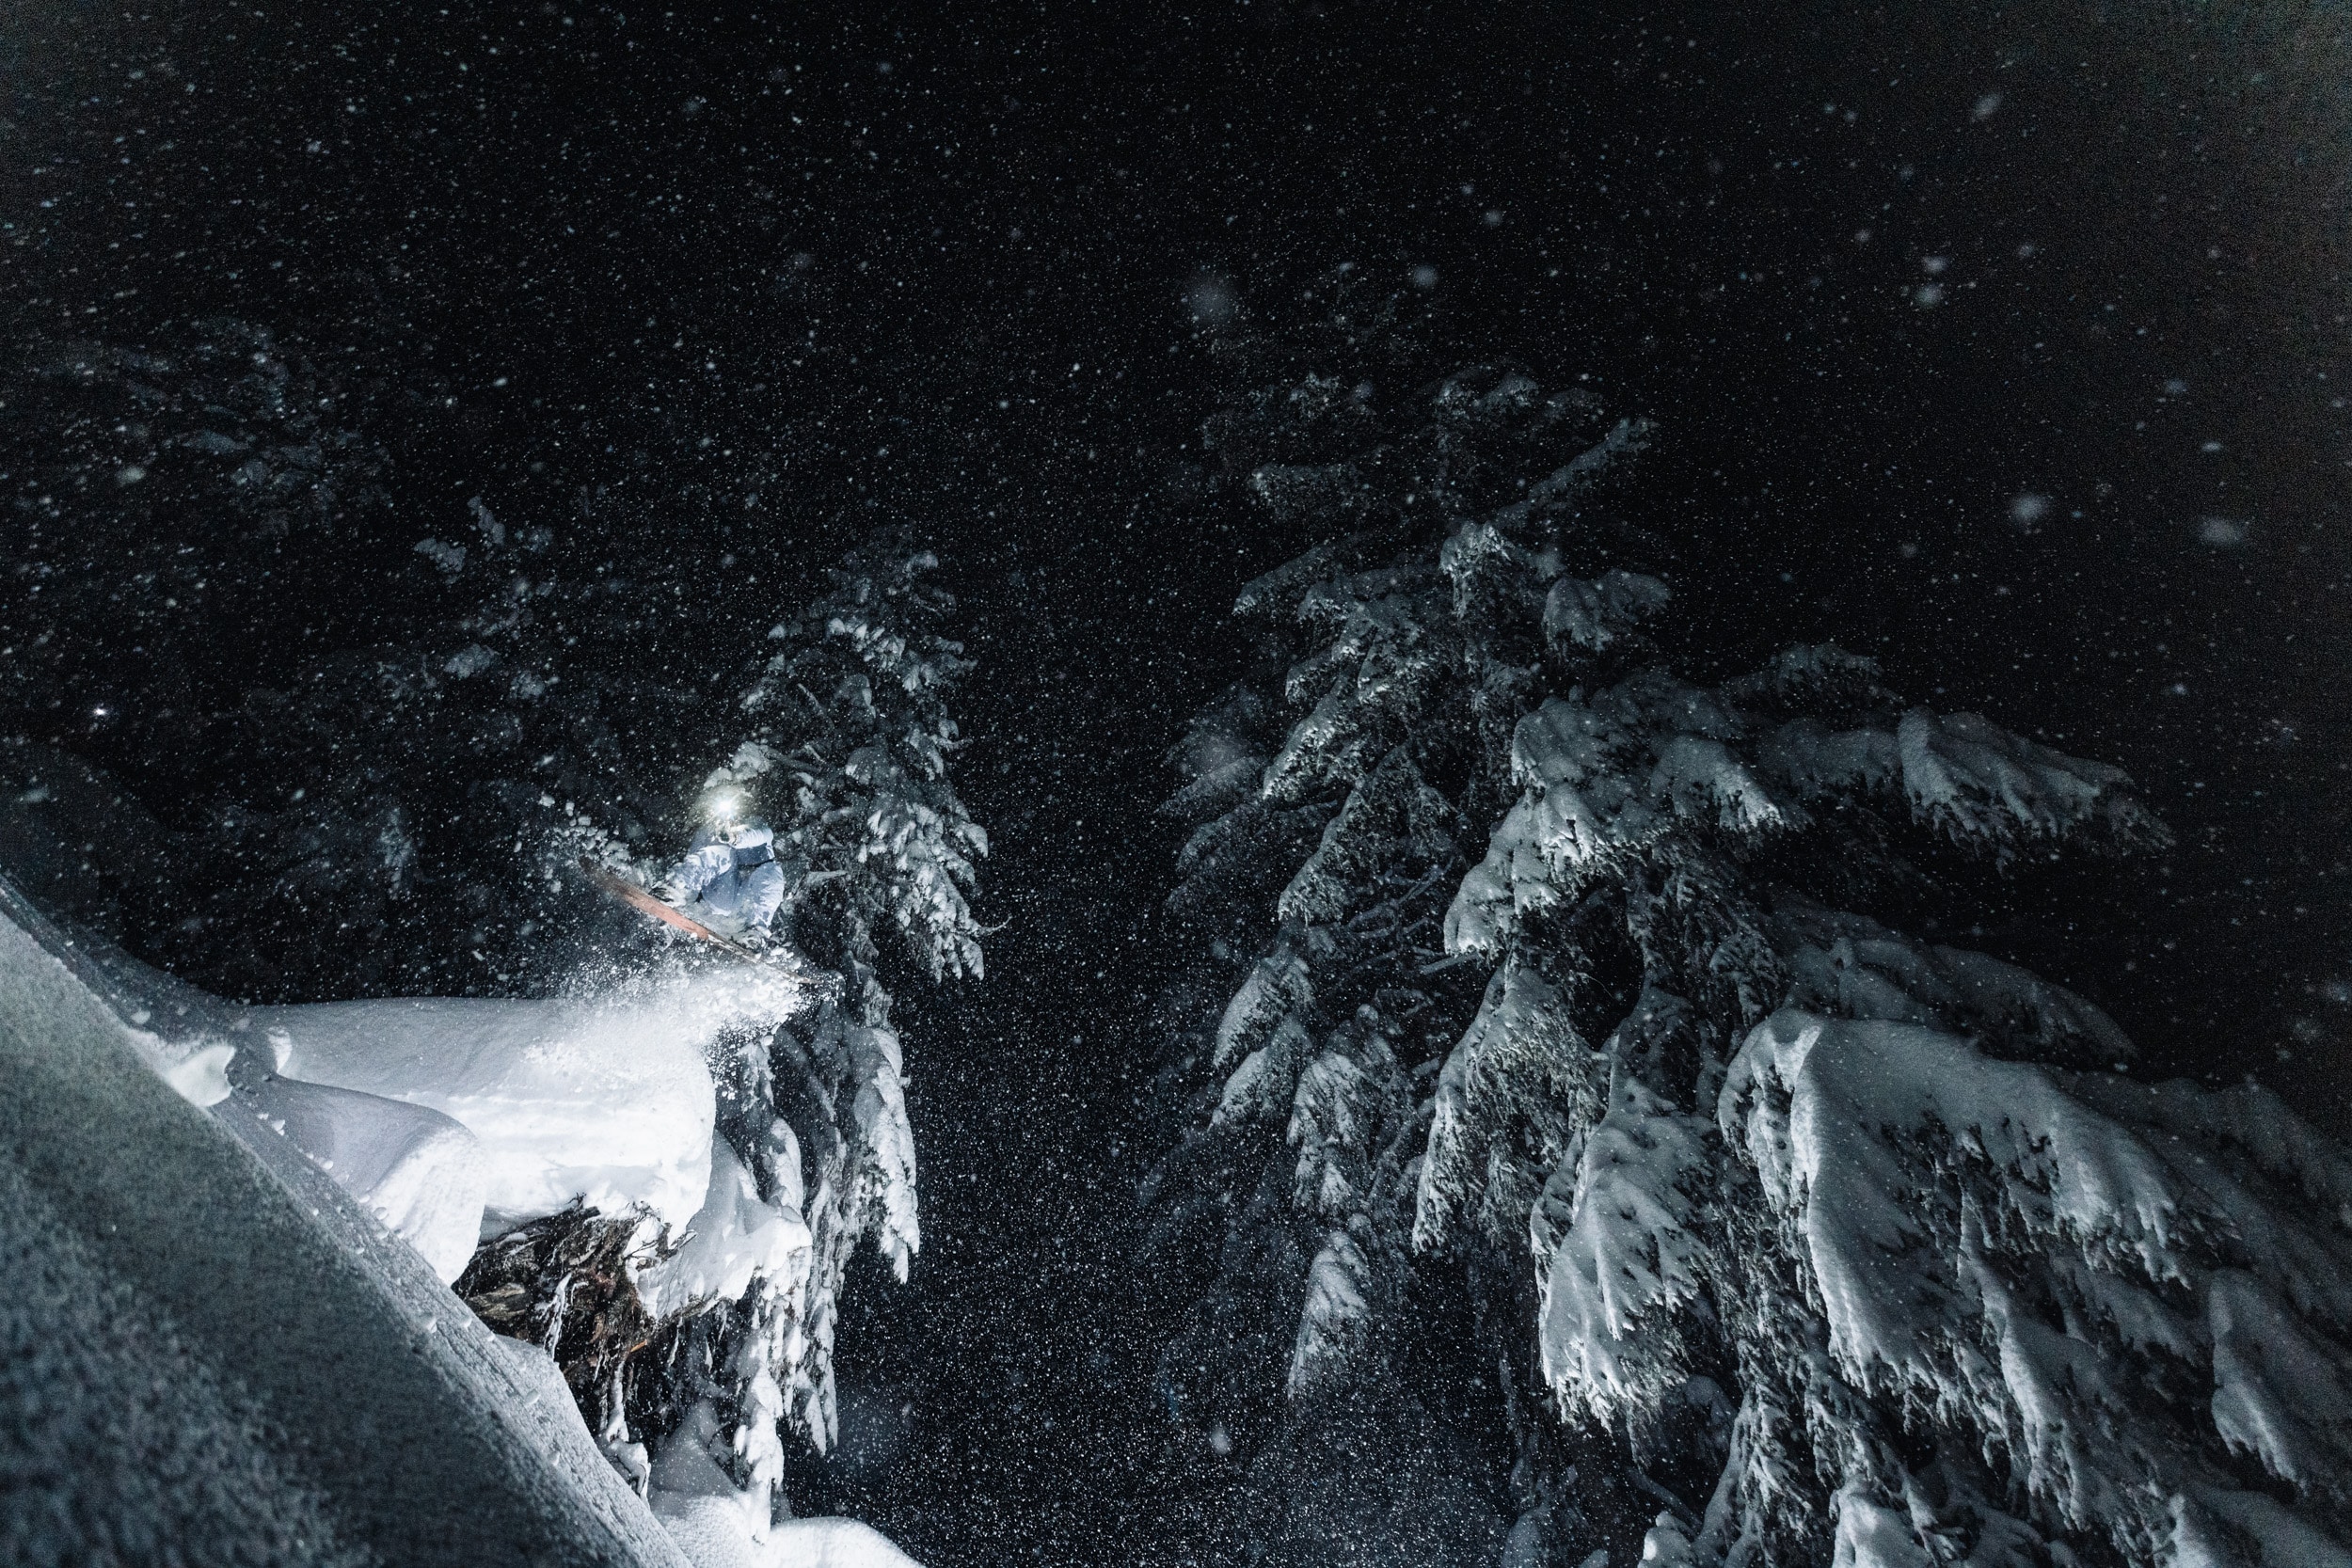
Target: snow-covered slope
[(209, 1342), (224, 1328)]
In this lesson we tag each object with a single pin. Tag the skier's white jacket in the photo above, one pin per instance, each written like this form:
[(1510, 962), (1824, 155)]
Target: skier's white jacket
[(740, 880)]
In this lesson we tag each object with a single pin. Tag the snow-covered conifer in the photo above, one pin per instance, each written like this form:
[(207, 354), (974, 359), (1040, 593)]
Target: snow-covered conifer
[(1564, 1017), (846, 752), (850, 740)]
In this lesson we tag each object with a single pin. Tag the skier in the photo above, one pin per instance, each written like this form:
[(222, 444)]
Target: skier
[(729, 879)]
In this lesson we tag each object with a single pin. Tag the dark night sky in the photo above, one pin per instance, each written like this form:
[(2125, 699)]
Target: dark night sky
[(1879, 273)]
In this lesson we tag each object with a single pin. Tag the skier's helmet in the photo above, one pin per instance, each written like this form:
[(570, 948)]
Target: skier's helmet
[(751, 833)]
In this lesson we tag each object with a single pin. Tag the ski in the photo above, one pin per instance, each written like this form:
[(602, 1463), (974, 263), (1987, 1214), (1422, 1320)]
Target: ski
[(646, 903)]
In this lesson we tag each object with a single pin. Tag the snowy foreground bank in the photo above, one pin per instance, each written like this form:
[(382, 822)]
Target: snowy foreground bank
[(230, 1232)]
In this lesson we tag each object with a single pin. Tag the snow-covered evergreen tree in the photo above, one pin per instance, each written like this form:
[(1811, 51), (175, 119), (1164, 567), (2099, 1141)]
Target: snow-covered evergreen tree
[(1337, 792), (184, 488), (1842, 1244), (847, 754)]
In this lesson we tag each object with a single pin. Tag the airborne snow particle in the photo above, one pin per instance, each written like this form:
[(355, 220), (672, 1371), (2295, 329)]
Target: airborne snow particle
[(1927, 294), (1424, 276), (449, 557), (1988, 105), (469, 661), (1210, 298), (2029, 509), (2221, 533), (130, 473), (492, 530)]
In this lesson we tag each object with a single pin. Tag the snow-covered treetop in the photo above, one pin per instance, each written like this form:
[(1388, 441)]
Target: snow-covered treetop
[(847, 756), (258, 424), (848, 753)]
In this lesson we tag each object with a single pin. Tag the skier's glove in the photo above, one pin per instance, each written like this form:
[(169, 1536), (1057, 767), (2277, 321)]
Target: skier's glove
[(668, 892)]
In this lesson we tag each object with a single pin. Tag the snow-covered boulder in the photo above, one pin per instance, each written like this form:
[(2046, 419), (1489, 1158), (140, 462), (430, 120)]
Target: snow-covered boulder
[(706, 1529), (419, 1172), (832, 1543)]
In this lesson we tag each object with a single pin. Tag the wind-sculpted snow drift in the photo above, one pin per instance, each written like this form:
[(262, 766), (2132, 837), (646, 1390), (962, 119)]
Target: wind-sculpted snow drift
[(253, 1288), (606, 1100), (1865, 1243)]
